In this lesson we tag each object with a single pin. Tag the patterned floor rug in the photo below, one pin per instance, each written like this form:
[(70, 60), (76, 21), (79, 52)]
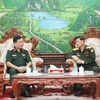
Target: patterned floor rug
[(49, 94)]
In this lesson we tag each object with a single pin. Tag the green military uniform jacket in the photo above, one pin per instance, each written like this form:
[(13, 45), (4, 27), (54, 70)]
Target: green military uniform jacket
[(87, 55), (18, 58)]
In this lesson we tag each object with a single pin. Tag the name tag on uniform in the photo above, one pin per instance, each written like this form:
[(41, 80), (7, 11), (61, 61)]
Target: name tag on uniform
[(86, 52), (14, 55), (23, 54)]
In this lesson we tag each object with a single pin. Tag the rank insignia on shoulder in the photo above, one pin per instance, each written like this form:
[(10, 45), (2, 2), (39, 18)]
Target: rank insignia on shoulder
[(88, 47), (75, 49), (92, 50)]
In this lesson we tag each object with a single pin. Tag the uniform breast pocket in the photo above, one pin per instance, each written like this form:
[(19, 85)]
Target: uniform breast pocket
[(14, 57), (23, 56)]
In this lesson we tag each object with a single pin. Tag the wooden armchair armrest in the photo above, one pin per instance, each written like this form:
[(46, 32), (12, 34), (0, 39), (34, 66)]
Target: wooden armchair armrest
[(37, 61), (1, 67), (71, 63), (1, 78)]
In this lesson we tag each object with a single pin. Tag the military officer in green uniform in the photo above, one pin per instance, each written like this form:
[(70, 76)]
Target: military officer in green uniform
[(18, 60), (84, 56)]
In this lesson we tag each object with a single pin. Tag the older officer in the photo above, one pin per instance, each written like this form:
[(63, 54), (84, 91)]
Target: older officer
[(83, 55), (17, 61)]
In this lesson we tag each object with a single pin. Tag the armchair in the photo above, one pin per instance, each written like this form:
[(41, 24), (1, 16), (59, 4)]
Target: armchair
[(7, 43), (92, 38)]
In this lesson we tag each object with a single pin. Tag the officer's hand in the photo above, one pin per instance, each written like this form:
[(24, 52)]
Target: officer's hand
[(75, 58), (80, 61), (21, 69)]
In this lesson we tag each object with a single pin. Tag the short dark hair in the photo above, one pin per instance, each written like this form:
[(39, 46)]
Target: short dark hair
[(16, 38), (79, 37)]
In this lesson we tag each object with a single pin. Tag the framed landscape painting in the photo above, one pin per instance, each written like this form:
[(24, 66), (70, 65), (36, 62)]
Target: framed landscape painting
[(53, 22)]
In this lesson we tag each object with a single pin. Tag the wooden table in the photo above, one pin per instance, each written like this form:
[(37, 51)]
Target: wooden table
[(55, 80)]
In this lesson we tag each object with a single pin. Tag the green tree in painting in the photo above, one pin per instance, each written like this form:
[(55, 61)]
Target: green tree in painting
[(13, 3), (79, 14)]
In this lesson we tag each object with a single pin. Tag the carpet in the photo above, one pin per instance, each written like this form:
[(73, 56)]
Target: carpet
[(50, 93)]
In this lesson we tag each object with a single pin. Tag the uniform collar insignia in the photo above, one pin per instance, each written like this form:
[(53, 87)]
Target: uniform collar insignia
[(16, 49), (75, 49)]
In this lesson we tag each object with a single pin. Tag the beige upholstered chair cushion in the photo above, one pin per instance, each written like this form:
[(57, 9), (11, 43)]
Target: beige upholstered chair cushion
[(4, 47), (95, 43), (3, 51), (27, 46)]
